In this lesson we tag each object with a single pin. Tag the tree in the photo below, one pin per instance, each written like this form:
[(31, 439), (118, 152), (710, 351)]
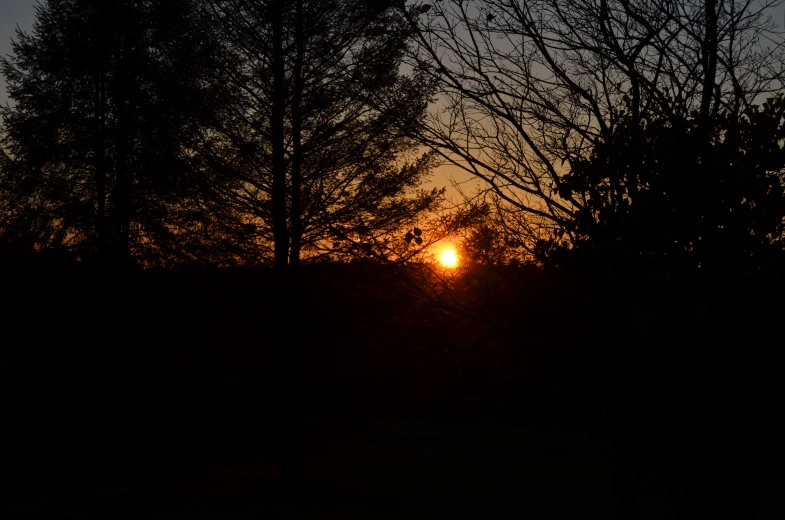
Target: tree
[(309, 160), (486, 243), (530, 90), (107, 98), (639, 211), (622, 132), (314, 138)]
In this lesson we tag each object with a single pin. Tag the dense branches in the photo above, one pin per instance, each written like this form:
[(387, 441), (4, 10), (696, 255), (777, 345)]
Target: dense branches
[(351, 175), (529, 90), (108, 96), (653, 194), (218, 132)]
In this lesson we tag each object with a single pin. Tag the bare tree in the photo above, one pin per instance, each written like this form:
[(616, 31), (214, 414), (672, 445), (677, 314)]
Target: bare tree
[(527, 89), (539, 96), (311, 160)]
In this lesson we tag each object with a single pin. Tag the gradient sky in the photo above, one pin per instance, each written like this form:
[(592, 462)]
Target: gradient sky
[(22, 13), (13, 13)]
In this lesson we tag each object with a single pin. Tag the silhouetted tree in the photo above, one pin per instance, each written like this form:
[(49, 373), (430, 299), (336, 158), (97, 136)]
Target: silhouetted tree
[(624, 132), (107, 98), (485, 242), (531, 89), (310, 160), (648, 201), (314, 139)]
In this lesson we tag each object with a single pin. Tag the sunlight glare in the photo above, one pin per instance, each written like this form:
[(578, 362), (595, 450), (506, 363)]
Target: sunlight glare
[(449, 258)]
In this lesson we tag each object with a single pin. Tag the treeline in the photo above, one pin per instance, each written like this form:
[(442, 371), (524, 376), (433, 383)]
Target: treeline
[(625, 135), (213, 132), (220, 132)]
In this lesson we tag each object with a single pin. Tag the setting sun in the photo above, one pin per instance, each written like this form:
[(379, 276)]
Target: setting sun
[(449, 258)]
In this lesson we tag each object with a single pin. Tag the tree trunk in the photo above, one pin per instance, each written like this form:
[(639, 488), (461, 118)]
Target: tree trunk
[(121, 237), (280, 231), (100, 166), (124, 182), (287, 291), (297, 149)]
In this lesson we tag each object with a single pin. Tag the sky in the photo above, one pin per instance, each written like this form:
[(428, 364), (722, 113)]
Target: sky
[(13, 12), (22, 13)]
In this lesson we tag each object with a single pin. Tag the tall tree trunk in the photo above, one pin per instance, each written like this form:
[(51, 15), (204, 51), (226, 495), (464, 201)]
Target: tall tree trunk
[(297, 149), (280, 231), (100, 165), (287, 290), (121, 239)]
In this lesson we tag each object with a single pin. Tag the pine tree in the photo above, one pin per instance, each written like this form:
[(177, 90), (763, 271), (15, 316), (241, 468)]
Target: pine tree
[(108, 98)]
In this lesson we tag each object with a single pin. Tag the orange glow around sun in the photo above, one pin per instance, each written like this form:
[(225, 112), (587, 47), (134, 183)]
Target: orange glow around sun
[(449, 258)]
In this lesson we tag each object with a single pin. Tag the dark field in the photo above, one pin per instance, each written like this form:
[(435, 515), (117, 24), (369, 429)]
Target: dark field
[(166, 404)]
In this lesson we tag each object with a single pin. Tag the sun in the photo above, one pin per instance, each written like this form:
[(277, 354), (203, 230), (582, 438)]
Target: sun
[(449, 258)]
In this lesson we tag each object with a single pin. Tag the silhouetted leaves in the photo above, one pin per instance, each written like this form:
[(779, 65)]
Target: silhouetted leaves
[(655, 193), (527, 123), (487, 244)]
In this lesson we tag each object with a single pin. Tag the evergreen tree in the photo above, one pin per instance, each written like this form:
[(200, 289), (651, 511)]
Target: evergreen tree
[(108, 97)]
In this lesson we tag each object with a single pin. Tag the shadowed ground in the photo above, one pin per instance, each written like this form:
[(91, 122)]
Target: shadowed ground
[(170, 410), (392, 470)]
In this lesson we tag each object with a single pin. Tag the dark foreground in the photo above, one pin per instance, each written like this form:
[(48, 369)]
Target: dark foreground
[(166, 404)]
